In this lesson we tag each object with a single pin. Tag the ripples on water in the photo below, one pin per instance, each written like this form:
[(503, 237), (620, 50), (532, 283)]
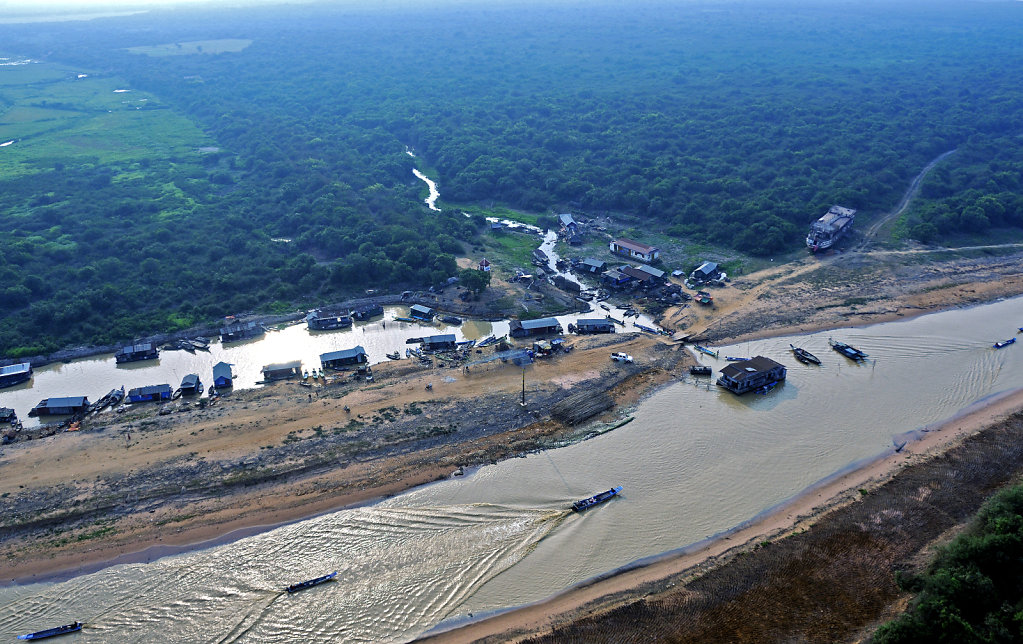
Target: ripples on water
[(695, 462)]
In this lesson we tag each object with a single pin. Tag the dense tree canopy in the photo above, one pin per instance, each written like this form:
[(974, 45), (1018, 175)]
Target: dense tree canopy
[(733, 125)]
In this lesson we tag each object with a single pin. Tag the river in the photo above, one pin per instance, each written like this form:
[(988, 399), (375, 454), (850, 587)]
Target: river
[(695, 462)]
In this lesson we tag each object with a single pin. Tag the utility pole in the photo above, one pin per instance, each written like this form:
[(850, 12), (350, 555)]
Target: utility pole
[(523, 403)]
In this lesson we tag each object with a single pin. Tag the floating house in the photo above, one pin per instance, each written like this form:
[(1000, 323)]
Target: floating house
[(542, 326), (15, 373), (191, 385), (444, 342), (594, 325), (60, 406), (241, 331), (322, 321), (344, 358), (282, 370), (635, 250), (223, 378), (150, 393), (368, 311), (420, 312), (757, 373), (144, 351), (8, 415)]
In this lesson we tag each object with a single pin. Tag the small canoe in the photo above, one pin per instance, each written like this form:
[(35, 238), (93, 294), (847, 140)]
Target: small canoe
[(302, 585), (703, 349), (53, 632)]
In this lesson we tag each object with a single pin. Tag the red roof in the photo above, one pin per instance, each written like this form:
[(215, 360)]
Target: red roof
[(634, 246)]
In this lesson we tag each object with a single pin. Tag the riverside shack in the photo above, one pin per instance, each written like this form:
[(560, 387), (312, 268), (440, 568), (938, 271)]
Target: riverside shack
[(223, 377), (753, 374), (142, 351), (344, 358), (542, 326), (593, 325), (445, 342), (60, 406), (282, 370), (150, 393)]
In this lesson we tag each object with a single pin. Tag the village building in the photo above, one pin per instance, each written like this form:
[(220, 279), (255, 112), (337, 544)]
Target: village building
[(282, 370), (150, 393), (594, 325), (615, 278), (323, 321), (568, 223), (367, 311), (635, 250), (542, 326), (344, 358), (15, 373), (444, 342), (590, 265), (420, 312), (143, 351), (241, 331), (8, 415), (223, 378), (191, 385), (705, 272), (60, 406), (753, 374), (484, 264), (644, 279)]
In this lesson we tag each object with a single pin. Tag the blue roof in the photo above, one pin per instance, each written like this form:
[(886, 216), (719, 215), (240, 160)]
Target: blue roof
[(344, 353), (10, 370), (541, 323)]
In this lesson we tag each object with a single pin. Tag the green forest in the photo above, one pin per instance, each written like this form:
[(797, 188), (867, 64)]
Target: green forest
[(973, 590), (174, 166)]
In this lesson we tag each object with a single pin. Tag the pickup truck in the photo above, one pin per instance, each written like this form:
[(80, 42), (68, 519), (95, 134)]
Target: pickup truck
[(621, 357)]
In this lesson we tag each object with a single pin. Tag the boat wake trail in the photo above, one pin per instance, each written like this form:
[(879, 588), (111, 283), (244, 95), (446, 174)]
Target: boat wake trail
[(400, 572)]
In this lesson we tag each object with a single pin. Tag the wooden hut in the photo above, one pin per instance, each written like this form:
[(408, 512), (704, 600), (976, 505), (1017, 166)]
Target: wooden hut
[(60, 406), (344, 358), (444, 342), (282, 370), (142, 351), (594, 325), (541, 326), (191, 385)]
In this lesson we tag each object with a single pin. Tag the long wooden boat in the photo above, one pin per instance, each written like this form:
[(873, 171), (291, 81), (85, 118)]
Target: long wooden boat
[(703, 349), (302, 585), (52, 632), (700, 371), (804, 356), (848, 351), (1004, 343), (596, 499)]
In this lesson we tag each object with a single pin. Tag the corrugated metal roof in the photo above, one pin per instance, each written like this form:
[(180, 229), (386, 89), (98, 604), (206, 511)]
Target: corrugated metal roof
[(10, 370), (283, 366), (593, 322), (344, 353), (758, 364), (191, 380), (634, 246), (150, 389), (438, 339), (541, 323), (71, 401), (222, 369), (419, 308)]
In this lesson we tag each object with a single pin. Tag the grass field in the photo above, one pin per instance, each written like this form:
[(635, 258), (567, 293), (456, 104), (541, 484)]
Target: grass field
[(58, 114), (222, 46)]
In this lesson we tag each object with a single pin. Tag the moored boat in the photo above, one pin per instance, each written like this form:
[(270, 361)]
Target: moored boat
[(393, 356), (451, 319), (848, 351), (703, 349), (700, 370), (1003, 343), (596, 499), (804, 356), (52, 632), (302, 585)]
